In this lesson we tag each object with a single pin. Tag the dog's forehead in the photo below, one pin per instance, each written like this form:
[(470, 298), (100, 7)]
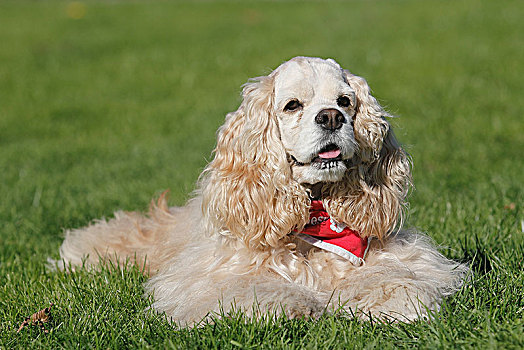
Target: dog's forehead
[(308, 78)]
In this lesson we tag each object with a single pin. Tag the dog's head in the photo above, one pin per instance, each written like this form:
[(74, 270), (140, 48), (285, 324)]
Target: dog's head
[(308, 122), (315, 109)]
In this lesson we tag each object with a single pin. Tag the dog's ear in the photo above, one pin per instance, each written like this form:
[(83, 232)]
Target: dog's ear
[(372, 196), (248, 191), (370, 126)]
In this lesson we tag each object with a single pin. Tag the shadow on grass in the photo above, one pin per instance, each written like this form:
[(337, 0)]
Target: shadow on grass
[(480, 258)]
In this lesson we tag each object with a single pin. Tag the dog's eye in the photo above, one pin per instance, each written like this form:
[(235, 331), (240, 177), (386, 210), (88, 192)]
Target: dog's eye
[(343, 101), (292, 105)]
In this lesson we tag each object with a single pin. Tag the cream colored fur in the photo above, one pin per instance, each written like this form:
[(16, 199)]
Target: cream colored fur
[(230, 246)]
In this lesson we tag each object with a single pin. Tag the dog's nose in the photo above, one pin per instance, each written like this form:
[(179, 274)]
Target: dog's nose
[(330, 119)]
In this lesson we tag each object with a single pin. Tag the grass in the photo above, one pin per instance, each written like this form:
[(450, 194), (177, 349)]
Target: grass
[(106, 111)]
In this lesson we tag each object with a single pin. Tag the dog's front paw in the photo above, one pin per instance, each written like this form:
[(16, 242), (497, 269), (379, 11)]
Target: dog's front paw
[(403, 304), (304, 309), (292, 300), (300, 305)]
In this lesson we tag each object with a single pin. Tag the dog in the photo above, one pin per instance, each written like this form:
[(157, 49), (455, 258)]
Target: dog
[(299, 212)]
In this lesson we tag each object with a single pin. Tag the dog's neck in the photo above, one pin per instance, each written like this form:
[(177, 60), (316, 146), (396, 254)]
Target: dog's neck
[(322, 231), (314, 190)]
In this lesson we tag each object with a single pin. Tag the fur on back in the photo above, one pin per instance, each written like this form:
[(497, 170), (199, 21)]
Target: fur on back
[(230, 246)]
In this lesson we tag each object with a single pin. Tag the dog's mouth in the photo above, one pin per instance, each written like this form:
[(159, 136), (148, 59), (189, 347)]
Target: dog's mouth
[(329, 153), (328, 157)]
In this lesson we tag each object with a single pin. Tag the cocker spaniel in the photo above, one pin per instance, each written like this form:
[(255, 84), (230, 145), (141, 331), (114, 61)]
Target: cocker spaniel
[(298, 212)]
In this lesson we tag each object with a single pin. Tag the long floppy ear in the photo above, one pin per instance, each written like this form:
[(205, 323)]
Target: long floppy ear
[(247, 190), (372, 196)]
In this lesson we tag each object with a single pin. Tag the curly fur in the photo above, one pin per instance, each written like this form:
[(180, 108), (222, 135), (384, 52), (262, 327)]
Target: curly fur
[(230, 245), (248, 191), (371, 197)]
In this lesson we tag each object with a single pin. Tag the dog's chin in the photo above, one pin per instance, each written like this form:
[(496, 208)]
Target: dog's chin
[(315, 172)]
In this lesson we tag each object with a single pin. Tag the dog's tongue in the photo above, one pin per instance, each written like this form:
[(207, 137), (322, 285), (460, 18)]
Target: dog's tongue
[(329, 154)]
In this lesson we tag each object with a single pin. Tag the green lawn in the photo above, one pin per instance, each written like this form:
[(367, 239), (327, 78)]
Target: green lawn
[(106, 111)]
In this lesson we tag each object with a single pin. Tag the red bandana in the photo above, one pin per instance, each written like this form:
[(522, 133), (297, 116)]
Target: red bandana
[(323, 232)]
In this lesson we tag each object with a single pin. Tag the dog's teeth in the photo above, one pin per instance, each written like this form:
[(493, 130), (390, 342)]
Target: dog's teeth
[(327, 165)]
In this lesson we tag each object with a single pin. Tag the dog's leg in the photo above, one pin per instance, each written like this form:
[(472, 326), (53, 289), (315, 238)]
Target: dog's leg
[(117, 239), (260, 296), (189, 296), (149, 241), (403, 280)]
